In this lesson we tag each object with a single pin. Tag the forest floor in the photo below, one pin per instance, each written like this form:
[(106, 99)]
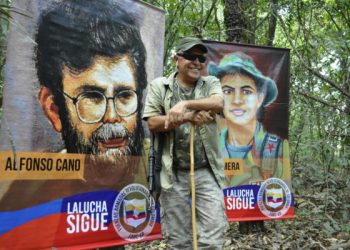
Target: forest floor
[(322, 221)]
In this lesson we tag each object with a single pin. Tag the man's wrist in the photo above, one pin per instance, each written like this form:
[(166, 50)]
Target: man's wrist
[(188, 117), (185, 103)]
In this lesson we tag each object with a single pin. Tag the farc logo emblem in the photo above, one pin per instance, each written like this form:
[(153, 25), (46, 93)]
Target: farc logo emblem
[(131, 218), (134, 212), (274, 198)]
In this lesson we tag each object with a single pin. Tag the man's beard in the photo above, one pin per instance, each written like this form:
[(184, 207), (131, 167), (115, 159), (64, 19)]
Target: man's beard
[(76, 143), (107, 168)]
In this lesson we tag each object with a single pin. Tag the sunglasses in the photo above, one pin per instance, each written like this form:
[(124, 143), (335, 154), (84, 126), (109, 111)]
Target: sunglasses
[(192, 57)]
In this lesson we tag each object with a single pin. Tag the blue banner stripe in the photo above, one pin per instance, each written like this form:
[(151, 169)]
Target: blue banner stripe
[(11, 220)]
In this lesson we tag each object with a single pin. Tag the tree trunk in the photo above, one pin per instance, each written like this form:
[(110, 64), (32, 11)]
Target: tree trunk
[(272, 22), (236, 30), (234, 20)]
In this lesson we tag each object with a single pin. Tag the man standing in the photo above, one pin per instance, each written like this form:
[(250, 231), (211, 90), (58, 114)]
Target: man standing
[(172, 104)]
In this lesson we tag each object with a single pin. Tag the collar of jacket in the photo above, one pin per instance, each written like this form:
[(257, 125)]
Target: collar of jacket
[(171, 81)]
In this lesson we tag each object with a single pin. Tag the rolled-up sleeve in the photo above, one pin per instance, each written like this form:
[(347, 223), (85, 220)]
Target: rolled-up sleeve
[(214, 86), (154, 104)]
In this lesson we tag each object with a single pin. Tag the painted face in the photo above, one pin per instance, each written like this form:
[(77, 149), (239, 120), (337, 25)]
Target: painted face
[(102, 118), (242, 99), (190, 71)]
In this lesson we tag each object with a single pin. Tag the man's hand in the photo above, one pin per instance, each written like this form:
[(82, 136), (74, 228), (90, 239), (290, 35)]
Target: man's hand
[(202, 117), (176, 115), (179, 114)]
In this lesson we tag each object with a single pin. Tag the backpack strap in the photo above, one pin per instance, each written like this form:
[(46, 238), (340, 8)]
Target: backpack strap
[(269, 155)]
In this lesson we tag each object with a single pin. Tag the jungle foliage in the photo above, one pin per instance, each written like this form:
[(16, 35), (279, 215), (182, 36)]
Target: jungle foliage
[(317, 32)]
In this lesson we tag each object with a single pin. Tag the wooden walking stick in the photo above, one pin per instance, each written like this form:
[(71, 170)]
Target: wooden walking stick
[(193, 189)]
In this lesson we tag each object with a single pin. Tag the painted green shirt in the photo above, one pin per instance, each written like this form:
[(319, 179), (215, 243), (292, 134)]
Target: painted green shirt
[(158, 102), (267, 157)]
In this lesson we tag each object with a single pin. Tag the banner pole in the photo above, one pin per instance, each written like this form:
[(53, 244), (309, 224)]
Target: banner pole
[(193, 189)]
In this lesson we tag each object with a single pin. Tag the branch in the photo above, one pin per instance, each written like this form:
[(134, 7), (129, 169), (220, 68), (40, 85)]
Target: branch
[(346, 17), (261, 22), (340, 31), (272, 23), (209, 13), (218, 23), (341, 246), (180, 8), (330, 82), (320, 101), (169, 38)]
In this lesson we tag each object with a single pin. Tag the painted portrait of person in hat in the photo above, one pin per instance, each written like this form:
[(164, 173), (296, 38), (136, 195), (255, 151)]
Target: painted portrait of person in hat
[(247, 92)]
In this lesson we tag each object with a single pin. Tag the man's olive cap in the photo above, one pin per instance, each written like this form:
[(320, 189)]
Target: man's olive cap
[(190, 42)]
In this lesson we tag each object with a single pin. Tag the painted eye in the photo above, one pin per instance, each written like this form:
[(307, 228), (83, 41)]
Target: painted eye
[(91, 96), (125, 94), (247, 92), (227, 91)]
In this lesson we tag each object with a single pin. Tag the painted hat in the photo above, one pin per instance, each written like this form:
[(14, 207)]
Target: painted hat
[(188, 43), (238, 62)]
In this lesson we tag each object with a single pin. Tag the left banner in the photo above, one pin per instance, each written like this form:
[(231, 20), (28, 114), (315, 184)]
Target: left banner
[(73, 146)]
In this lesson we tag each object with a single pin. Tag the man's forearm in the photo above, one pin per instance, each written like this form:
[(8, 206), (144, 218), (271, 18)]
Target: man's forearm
[(156, 124), (213, 103)]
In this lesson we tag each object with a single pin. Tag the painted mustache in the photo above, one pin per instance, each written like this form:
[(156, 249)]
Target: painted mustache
[(115, 138), (111, 131)]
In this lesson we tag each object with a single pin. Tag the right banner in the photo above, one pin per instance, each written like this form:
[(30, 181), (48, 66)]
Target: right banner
[(254, 129)]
